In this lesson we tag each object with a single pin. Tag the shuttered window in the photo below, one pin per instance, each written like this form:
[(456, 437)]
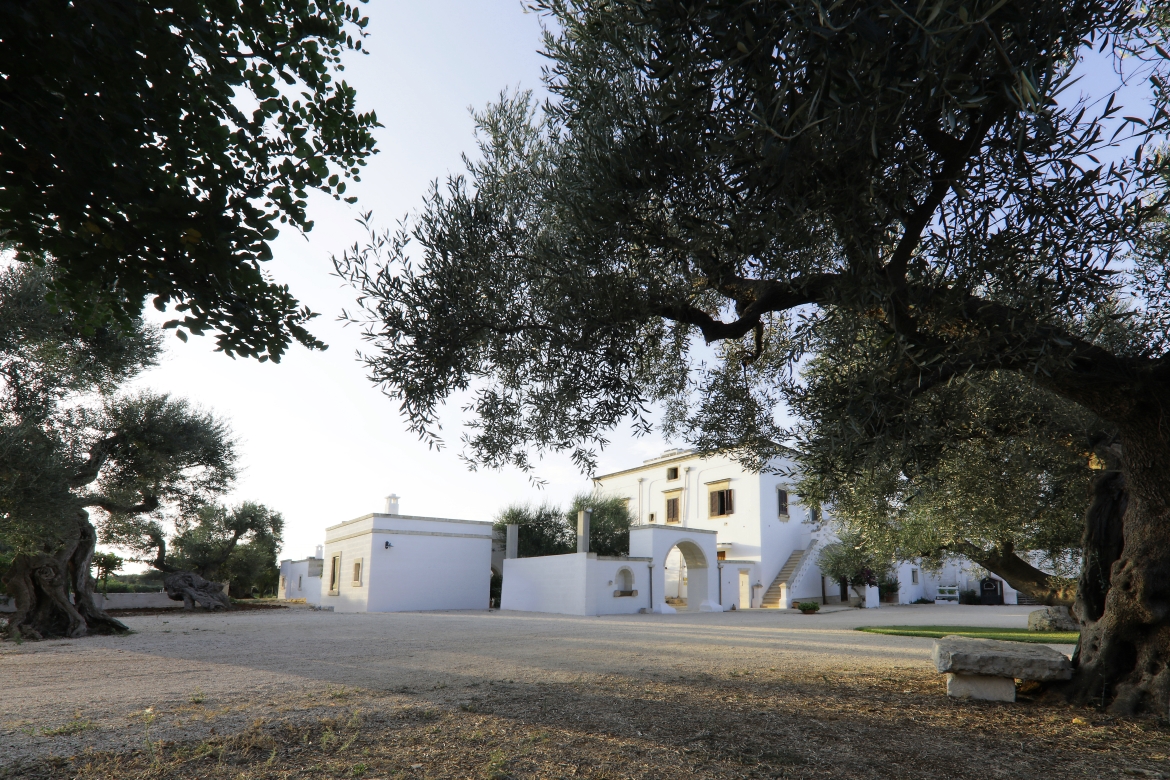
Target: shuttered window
[(722, 502)]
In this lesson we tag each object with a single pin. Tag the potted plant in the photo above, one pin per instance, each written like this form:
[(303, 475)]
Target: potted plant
[(808, 607)]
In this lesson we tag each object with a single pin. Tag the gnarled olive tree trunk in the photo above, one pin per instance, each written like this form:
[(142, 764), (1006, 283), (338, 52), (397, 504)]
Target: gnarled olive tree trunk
[(54, 591), (1124, 599)]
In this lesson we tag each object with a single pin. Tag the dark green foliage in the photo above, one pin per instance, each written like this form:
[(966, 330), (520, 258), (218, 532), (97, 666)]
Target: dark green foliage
[(543, 530), (609, 524), (857, 560), (238, 543), (69, 442), (155, 149)]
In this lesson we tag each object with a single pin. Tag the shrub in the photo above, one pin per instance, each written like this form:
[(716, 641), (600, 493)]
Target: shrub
[(969, 597), (923, 601), (808, 606)]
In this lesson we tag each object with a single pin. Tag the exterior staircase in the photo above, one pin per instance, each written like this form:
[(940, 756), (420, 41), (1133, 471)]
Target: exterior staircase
[(776, 593)]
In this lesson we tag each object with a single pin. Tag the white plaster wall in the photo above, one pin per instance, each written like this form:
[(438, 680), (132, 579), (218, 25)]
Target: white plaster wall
[(302, 580), (352, 540), (432, 564), (574, 584), (135, 601), (548, 583), (423, 572), (908, 592), (602, 578)]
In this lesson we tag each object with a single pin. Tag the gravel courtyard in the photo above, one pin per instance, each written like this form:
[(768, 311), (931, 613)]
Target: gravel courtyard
[(499, 694)]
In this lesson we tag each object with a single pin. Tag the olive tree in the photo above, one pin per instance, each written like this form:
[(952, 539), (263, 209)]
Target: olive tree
[(71, 444), (740, 173)]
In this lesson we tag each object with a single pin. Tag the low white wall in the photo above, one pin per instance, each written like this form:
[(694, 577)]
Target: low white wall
[(158, 600), (574, 584), (547, 583)]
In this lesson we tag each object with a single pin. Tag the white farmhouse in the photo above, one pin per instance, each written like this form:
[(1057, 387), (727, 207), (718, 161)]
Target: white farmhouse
[(766, 541), (389, 562), (301, 580)]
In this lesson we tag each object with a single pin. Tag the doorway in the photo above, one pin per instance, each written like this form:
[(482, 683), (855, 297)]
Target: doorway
[(745, 589)]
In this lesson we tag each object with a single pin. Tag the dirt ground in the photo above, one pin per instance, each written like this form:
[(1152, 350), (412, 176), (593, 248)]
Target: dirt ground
[(297, 693)]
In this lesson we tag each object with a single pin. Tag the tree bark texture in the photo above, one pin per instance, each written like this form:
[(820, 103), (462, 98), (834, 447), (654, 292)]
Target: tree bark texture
[(54, 591), (1124, 605)]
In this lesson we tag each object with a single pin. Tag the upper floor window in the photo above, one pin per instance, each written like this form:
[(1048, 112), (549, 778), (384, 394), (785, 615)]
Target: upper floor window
[(672, 472), (722, 502), (672, 515), (782, 502), (357, 572)]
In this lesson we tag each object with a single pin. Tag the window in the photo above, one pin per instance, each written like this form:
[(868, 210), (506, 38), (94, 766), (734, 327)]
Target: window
[(335, 575), (357, 572), (782, 502), (299, 582), (672, 509), (672, 472), (721, 554), (914, 576), (722, 502), (814, 514), (651, 517)]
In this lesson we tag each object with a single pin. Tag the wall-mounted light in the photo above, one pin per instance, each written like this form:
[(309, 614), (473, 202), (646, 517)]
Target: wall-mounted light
[(388, 545)]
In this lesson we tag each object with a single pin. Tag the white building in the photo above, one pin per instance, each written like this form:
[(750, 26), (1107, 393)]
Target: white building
[(766, 541), (301, 580), (388, 562)]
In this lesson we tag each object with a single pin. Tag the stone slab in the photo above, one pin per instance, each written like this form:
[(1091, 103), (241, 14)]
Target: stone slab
[(989, 657), (1052, 619), (980, 686)]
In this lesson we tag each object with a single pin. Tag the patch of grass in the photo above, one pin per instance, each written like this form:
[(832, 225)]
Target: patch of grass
[(75, 726), (196, 696), (978, 632)]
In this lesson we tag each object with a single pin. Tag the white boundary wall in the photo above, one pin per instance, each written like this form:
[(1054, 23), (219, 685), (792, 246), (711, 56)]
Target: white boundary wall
[(576, 584)]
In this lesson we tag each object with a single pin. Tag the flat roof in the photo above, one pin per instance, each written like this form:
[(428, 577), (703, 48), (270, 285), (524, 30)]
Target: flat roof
[(408, 517)]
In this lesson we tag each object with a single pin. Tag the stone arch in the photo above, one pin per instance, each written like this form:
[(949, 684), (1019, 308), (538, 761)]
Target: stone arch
[(697, 579)]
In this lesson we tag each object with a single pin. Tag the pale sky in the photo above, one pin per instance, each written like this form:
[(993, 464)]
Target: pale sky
[(317, 441)]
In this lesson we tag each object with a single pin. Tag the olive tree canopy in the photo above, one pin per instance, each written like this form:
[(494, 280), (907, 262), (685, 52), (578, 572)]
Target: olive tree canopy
[(154, 149), (744, 172)]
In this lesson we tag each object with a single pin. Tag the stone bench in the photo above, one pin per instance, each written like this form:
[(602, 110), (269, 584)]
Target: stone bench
[(988, 669)]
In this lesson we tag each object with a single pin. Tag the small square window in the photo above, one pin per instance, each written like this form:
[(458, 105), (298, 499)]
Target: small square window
[(651, 517), (672, 472)]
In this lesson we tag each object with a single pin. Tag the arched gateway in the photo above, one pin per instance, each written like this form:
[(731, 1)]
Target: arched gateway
[(698, 550)]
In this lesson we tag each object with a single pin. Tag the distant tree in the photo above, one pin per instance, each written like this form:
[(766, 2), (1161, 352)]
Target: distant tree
[(105, 564), (154, 149), (543, 529), (855, 560), (609, 524), (239, 544)]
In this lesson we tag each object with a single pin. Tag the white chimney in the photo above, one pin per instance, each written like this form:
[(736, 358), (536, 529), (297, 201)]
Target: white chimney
[(391, 504), (320, 551)]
